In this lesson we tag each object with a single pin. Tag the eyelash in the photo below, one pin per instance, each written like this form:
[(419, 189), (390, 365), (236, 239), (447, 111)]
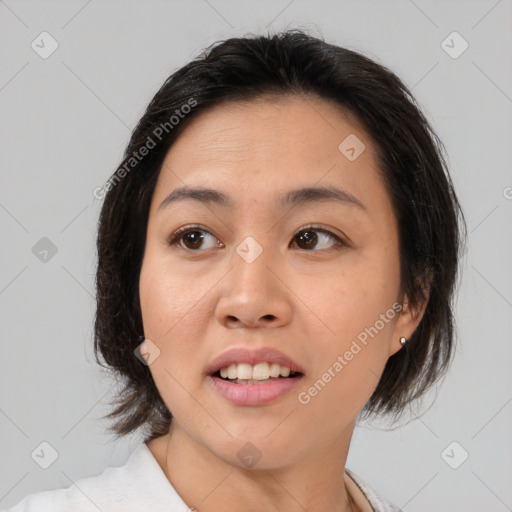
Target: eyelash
[(177, 236)]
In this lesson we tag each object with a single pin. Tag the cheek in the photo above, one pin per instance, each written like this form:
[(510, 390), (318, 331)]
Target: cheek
[(348, 365), (172, 311), (353, 298), (171, 302), (357, 307)]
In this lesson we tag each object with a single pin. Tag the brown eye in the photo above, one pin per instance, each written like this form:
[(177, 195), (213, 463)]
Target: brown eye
[(308, 238), (192, 238)]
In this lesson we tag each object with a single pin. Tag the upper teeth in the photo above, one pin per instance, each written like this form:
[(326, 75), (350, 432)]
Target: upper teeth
[(260, 371)]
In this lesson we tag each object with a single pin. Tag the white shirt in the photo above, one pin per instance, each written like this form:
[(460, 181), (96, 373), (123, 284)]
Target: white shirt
[(140, 485)]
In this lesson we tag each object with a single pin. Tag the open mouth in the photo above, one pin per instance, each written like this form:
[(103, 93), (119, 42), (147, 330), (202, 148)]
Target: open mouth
[(254, 377), (236, 380), (260, 384)]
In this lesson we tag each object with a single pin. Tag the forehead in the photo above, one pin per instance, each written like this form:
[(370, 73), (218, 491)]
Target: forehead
[(261, 148)]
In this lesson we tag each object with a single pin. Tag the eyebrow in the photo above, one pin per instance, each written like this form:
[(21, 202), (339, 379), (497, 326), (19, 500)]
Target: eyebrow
[(290, 198)]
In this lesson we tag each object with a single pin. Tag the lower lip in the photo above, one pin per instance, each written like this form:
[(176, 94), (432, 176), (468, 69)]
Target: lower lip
[(254, 394)]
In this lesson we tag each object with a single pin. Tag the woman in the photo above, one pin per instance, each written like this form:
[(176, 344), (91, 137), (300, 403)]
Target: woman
[(277, 257)]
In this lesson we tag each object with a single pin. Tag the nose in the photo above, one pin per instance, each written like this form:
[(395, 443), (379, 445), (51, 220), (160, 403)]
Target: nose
[(254, 294)]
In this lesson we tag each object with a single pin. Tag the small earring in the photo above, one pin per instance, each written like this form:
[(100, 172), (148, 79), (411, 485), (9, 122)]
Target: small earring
[(402, 341)]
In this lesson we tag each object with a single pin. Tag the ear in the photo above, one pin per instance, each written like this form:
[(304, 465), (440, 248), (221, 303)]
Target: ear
[(409, 317)]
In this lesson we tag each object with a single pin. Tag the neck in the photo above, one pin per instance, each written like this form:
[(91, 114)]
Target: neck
[(208, 483)]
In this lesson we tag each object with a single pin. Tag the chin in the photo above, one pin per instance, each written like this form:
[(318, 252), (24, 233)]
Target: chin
[(255, 447)]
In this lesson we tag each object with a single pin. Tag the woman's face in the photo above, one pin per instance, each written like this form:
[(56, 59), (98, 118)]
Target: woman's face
[(315, 279)]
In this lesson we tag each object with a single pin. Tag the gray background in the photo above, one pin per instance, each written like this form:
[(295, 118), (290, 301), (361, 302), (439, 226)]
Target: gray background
[(65, 122)]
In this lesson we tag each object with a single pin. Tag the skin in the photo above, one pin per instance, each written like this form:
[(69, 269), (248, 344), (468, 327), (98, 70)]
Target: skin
[(196, 303)]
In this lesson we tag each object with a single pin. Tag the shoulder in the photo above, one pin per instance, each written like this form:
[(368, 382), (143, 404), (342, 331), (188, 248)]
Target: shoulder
[(376, 500), (139, 484)]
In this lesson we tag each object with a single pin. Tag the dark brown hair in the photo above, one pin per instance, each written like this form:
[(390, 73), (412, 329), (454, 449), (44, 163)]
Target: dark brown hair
[(410, 158)]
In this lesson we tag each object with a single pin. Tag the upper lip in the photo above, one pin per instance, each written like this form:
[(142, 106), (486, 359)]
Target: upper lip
[(238, 355)]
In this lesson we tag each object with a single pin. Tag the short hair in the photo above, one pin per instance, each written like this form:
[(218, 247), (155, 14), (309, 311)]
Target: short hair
[(410, 158)]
